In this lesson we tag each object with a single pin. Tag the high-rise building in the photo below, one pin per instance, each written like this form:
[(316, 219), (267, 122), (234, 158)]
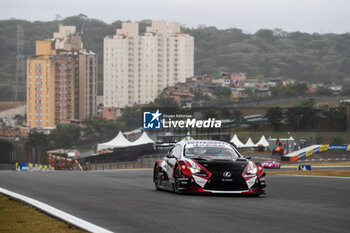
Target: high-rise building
[(138, 67), (61, 81)]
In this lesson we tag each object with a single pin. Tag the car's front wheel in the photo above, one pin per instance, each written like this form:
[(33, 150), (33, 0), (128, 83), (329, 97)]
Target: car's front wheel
[(176, 185)]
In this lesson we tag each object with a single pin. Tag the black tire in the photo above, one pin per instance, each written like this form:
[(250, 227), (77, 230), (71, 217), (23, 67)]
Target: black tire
[(156, 178), (176, 184), (255, 195)]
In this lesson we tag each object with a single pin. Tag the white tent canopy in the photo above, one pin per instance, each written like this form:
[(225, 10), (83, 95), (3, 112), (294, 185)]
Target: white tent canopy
[(118, 141), (236, 141), (263, 142), (143, 140), (249, 143), (121, 142)]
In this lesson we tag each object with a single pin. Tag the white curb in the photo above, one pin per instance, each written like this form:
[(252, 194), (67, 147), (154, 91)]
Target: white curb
[(56, 212)]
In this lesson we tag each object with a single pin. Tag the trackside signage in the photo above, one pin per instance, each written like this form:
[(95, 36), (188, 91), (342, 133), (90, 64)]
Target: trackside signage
[(156, 120)]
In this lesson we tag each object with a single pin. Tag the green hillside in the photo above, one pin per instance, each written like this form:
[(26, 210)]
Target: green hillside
[(301, 56)]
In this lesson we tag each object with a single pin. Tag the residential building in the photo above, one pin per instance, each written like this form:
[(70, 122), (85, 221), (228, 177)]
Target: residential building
[(61, 81), (138, 67)]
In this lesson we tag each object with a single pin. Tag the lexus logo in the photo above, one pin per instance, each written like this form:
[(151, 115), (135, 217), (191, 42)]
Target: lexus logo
[(227, 174)]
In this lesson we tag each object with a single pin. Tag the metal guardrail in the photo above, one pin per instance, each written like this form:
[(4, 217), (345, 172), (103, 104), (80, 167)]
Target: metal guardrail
[(145, 162)]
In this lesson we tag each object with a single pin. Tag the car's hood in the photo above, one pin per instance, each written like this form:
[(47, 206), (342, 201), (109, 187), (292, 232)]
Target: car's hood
[(218, 166)]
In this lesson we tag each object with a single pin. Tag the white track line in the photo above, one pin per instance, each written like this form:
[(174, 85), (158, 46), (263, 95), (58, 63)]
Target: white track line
[(56, 212), (312, 176)]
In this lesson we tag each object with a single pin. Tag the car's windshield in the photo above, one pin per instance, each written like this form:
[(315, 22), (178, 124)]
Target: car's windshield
[(207, 152)]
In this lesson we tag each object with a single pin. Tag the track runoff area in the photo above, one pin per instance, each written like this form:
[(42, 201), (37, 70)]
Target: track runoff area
[(126, 201)]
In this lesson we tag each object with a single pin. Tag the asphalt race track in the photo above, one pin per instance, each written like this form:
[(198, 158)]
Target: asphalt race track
[(125, 201)]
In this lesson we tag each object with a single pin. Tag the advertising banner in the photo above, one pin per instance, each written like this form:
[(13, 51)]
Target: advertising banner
[(338, 147), (324, 147), (302, 155), (304, 168), (22, 166)]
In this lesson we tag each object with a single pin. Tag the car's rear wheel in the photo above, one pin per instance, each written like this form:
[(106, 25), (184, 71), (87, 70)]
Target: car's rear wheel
[(156, 178)]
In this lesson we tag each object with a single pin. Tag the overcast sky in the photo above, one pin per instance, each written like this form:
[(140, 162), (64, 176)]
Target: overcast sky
[(320, 16)]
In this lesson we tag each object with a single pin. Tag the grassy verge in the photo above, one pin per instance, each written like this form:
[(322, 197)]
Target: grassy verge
[(344, 173), (18, 217)]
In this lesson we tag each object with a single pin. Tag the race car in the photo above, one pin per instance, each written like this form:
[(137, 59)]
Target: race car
[(207, 166), (271, 164)]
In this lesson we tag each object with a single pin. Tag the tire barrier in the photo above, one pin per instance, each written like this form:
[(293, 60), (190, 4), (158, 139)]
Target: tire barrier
[(310, 150)]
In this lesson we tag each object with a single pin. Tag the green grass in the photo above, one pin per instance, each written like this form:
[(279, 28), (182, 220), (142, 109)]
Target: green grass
[(83, 150), (16, 217)]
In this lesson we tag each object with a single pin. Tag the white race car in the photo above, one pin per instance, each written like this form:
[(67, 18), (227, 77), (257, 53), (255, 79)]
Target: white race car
[(206, 166)]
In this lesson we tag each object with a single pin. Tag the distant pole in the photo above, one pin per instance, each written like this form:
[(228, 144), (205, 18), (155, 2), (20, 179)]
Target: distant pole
[(19, 88)]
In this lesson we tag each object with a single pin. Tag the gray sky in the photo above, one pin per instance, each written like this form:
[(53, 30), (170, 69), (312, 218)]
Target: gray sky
[(320, 16)]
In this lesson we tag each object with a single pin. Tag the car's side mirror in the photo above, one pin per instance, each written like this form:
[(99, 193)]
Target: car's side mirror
[(247, 157), (170, 156)]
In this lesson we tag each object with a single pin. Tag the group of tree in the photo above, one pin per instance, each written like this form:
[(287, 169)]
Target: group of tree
[(296, 55), (62, 137), (307, 117)]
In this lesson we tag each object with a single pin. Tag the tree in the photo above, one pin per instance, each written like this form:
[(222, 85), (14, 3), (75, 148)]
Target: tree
[(100, 127), (66, 136), (223, 95), (162, 102), (222, 92), (304, 116), (238, 116), (322, 91), (198, 96), (275, 117), (131, 118), (36, 139), (210, 114)]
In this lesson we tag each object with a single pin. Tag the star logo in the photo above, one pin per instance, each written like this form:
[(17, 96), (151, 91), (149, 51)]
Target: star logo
[(151, 120), (156, 115)]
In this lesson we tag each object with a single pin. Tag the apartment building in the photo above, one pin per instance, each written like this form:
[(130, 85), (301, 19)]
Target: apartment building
[(61, 81), (138, 67)]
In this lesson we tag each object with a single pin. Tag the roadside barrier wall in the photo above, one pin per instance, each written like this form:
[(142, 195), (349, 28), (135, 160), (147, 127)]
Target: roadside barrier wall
[(306, 152), (33, 167)]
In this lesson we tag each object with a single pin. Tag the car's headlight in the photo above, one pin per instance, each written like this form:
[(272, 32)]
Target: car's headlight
[(194, 170), (252, 168)]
